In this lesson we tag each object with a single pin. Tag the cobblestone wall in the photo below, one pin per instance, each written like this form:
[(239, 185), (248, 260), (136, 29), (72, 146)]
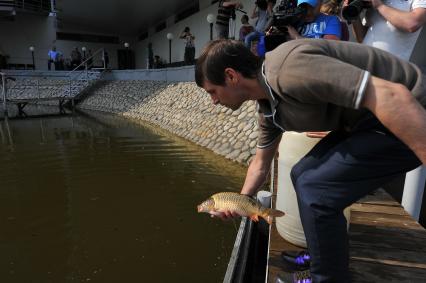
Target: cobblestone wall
[(183, 109)]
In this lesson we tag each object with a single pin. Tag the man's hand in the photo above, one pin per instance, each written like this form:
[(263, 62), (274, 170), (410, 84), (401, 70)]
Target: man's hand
[(224, 215)]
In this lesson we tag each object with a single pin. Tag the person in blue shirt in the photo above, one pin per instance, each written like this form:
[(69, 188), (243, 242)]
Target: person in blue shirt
[(51, 57), (316, 24)]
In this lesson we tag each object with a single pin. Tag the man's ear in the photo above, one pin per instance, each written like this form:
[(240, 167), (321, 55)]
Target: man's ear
[(231, 76)]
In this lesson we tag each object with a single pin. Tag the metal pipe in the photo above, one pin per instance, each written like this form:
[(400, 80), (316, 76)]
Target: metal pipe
[(413, 191)]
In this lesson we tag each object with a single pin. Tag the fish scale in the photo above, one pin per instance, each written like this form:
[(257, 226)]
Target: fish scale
[(237, 202)]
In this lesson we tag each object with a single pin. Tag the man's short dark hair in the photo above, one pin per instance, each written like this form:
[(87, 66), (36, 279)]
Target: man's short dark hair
[(225, 53)]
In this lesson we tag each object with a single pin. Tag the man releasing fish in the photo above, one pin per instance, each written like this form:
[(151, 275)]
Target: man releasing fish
[(242, 204)]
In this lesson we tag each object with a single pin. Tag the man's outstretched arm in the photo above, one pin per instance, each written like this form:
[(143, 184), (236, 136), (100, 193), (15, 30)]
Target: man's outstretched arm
[(259, 168), (386, 100), (256, 174)]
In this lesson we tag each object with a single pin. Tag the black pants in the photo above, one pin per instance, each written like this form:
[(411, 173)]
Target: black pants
[(338, 171), (189, 55), (49, 63)]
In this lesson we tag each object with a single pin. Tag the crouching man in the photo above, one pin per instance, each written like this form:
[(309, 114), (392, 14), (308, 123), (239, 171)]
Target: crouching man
[(372, 102)]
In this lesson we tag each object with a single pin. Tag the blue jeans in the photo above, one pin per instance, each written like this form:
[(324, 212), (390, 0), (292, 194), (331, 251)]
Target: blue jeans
[(255, 35), (342, 168)]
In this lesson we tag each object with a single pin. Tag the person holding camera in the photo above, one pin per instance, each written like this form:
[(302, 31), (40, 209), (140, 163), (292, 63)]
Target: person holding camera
[(226, 10), (393, 26), (189, 46), (245, 28), (262, 13), (356, 92), (316, 24)]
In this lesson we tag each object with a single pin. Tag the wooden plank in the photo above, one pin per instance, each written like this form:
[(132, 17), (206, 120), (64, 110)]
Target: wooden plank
[(386, 244), (368, 272), (387, 209), (384, 220), (389, 255)]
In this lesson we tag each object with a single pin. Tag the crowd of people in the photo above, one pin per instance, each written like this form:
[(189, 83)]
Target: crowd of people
[(57, 59), (349, 94)]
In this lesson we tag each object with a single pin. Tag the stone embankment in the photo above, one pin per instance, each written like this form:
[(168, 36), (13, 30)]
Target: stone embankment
[(183, 109)]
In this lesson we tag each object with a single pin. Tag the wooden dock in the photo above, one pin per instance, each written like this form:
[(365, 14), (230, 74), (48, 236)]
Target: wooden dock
[(386, 244)]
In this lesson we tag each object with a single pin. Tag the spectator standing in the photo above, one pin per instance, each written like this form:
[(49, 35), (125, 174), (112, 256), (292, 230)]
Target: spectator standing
[(261, 12), (51, 58), (90, 59), (158, 63), (187, 36), (3, 60), (245, 28), (393, 26), (106, 59), (59, 62), (150, 56), (226, 10), (75, 57)]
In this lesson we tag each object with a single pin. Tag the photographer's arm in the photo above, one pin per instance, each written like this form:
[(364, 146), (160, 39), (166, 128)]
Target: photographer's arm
[(385, 100), (405, 21)]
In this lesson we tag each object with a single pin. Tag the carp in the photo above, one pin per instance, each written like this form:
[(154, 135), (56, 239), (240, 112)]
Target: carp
[(242, 204)]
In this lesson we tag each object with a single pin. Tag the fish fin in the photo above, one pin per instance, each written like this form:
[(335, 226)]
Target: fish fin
[(274, 212), (270, 213), (254, 217)]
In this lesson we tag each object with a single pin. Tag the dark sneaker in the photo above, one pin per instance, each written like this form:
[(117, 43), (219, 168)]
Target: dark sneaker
[(296, 260), (297, 277)]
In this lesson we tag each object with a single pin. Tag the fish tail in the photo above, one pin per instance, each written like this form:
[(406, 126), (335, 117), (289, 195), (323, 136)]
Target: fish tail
[(269, 214)]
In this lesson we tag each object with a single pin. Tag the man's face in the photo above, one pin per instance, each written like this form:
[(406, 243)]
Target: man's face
[(227, 95), (311, 12)]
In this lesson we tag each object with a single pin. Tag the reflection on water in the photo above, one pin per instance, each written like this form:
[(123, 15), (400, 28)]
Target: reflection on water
[(104, 200)]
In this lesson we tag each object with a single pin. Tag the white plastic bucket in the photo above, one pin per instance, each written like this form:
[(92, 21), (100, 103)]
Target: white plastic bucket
[(292, 148)]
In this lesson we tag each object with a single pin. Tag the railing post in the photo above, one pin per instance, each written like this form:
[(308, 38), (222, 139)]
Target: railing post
[(413, 191), (103, 57), (3, 83), (38, 88), (70, 88)]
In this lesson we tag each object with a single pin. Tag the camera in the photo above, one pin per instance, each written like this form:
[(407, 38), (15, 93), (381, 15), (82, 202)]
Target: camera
[(354, 8), (286, 14)]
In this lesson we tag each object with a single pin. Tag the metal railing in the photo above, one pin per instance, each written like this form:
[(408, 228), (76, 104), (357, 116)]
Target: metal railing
[(44, 6), (4, 80), (68, 86), (78, 70)]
